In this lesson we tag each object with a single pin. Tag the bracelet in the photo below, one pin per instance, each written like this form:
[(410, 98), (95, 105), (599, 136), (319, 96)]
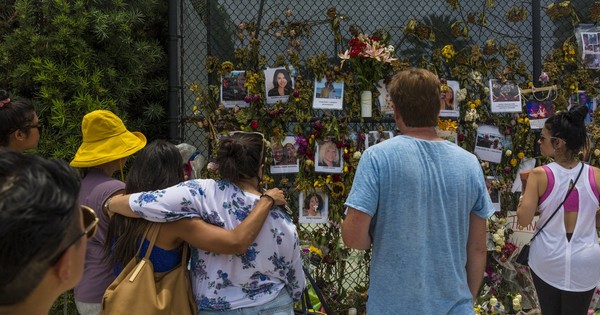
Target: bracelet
[(272, 199)]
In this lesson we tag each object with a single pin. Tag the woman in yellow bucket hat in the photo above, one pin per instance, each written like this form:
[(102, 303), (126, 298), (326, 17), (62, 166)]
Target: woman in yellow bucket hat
[(106, 146)]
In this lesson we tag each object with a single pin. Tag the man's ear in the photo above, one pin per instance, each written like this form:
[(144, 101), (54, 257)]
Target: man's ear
[(63, 267), (19, 135)]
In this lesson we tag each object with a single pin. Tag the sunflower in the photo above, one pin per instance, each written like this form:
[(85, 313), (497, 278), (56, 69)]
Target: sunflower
[(338, 189)]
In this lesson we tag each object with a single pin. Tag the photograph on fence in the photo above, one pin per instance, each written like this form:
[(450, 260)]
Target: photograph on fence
[(278, 84), (328, 94), (584, 99), (449, 104), (538, 112), (328, 158), (374, 137), (489, 143), (285, 159), (505, 97), (386, 106), (314, 207), (233, 90)]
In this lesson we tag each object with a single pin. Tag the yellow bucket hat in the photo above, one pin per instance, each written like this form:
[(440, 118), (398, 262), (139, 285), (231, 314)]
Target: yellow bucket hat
[(105, 139)]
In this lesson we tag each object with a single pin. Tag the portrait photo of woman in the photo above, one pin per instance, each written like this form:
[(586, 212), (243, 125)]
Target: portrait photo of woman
[(278, 84), (328, 157), (313, 207)]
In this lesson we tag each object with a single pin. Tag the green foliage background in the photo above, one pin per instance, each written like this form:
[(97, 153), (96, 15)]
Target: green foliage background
[(73, 57)]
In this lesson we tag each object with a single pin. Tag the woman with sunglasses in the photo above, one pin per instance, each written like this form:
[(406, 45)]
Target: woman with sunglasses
[(268, 275), (564, 256), (20, 127), (124, 233), (42, 232)]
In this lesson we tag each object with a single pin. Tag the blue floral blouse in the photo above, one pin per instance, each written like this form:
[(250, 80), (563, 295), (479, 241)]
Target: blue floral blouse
[(222, 282)]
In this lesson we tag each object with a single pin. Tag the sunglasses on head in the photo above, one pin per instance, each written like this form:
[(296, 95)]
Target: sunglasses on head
[(543, 138), (90, 221)]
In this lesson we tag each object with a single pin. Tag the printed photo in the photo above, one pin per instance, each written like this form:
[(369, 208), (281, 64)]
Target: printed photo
[(233, 90), (278, 84), (314, 207), (489, 144), (493, 192), (582, 98), (285, 159), (538, 112), (328, 94), (328, 158), (386, 106), (505, 97), (375, 137), (449, 104)]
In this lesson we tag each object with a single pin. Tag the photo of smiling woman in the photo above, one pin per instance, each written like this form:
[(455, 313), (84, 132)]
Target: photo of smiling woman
[(328, 157), (278, 84), (314, 207)]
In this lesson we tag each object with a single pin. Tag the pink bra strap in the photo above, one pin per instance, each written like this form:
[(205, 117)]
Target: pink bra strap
[(550, 176)]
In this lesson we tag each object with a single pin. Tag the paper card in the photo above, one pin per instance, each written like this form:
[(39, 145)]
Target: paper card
[(328, 95), (285, 159), (278, 85), (313, 207), (489, 143), (505, 97), (375, 137), (386, 106), (233, 90), (449, 104), (538, 112)]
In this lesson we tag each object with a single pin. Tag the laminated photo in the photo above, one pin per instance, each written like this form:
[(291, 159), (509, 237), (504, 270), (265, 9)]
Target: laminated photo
[(386, 106), (314, 207), (489, 144), (328, 95), (279, 85), (375, 137), (284, 154), (505, 97), (233, 91), (328, 158), (538, 112), (449, 104)]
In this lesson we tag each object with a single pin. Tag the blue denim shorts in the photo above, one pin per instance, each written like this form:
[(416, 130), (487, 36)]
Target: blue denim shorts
[(281, 305)]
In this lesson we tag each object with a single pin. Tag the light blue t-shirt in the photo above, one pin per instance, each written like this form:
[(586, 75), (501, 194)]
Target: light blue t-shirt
[(420, 194)]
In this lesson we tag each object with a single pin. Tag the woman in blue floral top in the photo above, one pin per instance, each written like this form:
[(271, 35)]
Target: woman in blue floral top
[(269, 275)]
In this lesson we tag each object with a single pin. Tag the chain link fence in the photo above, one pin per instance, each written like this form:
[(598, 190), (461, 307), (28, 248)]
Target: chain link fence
[(210, 28)]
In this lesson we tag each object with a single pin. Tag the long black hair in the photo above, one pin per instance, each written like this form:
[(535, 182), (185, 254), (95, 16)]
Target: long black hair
[(570, 127), (14, 115), (159, 165)]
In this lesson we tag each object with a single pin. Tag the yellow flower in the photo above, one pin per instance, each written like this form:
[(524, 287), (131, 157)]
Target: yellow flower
[(448, 52), (227, 66), (328, 179), (314, 250), (338, 189), (345, 169), (521, 155), (477, 102), (513, 162), (520, 120), (319, 183)]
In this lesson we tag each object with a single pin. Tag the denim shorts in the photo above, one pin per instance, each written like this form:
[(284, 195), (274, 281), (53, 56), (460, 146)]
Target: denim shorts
[(281, 305)]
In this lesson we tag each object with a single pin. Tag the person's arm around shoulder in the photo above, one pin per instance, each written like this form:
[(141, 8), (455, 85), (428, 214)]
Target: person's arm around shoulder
[(120, 204), (215, 239), (109, 200), (476, 253), (528, 203), (355, 229)]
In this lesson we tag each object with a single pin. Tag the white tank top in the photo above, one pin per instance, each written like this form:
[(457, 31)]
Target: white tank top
[(575, 265)]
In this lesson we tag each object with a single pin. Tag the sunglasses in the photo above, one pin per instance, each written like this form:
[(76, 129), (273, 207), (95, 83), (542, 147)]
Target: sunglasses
[(38, 126), (90, 221), (253, 133), (543, 138)]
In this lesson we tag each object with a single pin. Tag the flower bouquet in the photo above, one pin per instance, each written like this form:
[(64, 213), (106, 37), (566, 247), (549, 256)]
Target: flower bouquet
[(370, 58)]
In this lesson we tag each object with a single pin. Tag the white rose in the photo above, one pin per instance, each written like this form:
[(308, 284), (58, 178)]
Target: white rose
[(508, 152), (486, 90), (493, 301), (356, 155), (596, 152)]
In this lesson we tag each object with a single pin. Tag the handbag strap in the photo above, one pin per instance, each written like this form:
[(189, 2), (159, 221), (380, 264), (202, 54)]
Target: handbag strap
[(572, 186), (151, 234), (317, 291)]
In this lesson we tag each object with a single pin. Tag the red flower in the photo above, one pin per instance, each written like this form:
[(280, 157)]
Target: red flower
[(254, 124)]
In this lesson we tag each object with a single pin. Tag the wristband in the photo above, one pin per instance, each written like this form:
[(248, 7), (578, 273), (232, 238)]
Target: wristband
[(272, 199)]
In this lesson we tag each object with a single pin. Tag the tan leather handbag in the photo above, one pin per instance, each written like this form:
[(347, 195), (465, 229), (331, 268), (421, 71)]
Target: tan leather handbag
[(139, 290)]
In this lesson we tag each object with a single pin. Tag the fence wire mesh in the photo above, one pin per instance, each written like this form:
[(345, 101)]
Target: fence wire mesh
[(210, 28)]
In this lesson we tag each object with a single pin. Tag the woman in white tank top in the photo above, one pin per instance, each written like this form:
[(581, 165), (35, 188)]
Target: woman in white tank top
[(564, 258)]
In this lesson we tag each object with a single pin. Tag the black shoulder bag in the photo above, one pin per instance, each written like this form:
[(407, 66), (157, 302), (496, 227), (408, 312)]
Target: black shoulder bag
[(523, 257)]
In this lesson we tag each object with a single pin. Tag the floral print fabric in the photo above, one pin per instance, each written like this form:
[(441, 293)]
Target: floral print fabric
[(222, 282)]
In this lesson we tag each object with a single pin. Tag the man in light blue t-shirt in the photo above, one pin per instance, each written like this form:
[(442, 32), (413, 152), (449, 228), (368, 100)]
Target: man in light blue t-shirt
[(422, 203)]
